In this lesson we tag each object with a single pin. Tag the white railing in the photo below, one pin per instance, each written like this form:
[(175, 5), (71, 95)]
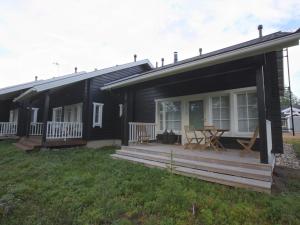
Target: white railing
[(36, 129), (8, 128), (64, 130), (138, 130)]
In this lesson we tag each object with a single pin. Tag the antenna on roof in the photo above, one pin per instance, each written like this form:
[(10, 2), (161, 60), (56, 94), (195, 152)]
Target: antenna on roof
[(162, 61), (156, 64), (35, 78), (75, 69), (135, 56)]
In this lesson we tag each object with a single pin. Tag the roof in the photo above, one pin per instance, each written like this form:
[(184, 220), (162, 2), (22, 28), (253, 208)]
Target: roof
[(267, 43), (75, 77)]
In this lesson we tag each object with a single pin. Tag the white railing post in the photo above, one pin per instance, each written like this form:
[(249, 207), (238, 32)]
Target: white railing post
[(137, 129)]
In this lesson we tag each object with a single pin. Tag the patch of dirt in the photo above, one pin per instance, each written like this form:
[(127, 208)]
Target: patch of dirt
[(285, 179)]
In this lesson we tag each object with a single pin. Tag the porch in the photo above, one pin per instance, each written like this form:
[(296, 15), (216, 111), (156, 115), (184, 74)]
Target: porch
[(230, 167)]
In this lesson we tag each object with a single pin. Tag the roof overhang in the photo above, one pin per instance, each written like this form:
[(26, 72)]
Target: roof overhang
[(54, 84), (268, 46)]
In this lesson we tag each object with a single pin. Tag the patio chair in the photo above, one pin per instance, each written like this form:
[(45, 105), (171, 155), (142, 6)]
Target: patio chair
[(248, 144), (143, 136), (191, 138)]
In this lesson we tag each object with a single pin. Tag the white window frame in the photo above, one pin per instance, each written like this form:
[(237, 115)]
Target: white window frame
[(13, 115), (164, 116), (75, 117), (35, 114), (207, 99), (54, 112), (220, 108), (100, 116), (243, 133)]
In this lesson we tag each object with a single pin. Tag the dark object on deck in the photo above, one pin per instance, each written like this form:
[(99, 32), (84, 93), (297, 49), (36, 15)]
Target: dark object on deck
[(172, 137)]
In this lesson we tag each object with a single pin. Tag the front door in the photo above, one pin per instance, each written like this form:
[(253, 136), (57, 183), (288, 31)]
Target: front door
[(196, 114)]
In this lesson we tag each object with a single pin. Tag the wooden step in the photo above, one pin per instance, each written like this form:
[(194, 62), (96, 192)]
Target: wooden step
[(190, 155), (257, 174), (257, 185), (24, 147)]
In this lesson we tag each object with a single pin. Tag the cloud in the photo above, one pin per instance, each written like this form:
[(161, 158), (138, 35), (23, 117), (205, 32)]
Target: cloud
[(96, 34)]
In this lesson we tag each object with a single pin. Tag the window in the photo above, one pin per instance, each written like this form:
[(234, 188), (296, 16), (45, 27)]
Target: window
[(34, 114), (221, 112), (247, 112), (73, 113), (13, 116), (97, 114), (57, 114), (120, 110), (169, 115)]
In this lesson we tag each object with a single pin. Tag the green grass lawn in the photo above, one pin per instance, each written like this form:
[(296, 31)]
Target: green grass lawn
[(85, 186)]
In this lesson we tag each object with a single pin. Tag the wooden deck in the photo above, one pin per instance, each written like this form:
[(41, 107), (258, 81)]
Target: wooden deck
[(230, 167)]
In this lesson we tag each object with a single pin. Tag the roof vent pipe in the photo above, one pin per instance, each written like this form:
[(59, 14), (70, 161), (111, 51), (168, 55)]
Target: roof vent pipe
[(260, 27), (200, 51), (75, 69), (36, 78), (156, 64), (135, 56), (175, 57), (162, 61)]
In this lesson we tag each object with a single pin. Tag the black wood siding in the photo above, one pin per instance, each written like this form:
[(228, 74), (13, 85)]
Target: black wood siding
[(111, 122)]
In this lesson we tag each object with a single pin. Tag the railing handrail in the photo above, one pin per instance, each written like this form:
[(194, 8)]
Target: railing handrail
[(141, 123)]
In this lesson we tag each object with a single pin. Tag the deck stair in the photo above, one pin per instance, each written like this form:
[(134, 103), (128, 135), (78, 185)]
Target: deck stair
[(230, 169), (29, 143)]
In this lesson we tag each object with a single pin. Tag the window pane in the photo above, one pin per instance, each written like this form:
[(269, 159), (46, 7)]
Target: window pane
[(216, 114), (252, 111), (243, 125), (173, 111), (225, 124), (252, 99), (241, 99), (242, 112), (216, 123), (253, 124), (225, 101), (225, 113), (97, 114), (216, 102)]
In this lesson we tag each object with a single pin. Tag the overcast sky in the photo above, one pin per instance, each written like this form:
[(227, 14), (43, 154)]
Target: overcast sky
[(89, 34)]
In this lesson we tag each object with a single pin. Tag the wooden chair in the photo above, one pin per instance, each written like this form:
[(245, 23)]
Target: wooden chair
[(248, 144), (143, 136), (190, 139)]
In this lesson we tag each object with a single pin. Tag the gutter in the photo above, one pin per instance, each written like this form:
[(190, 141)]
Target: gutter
[(268, 46)]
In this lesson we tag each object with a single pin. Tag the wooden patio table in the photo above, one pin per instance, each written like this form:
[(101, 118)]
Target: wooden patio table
[(212, 137)]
